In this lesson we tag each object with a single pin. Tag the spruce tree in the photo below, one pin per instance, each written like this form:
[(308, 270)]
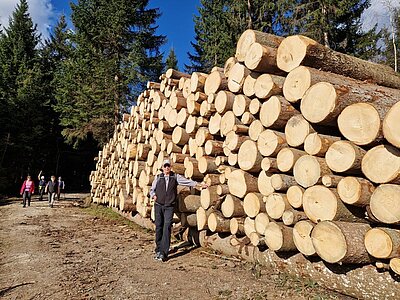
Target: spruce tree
[(221, 22), (22, 121), (335, 24), (116, 51), (391, 40), (171, 62)]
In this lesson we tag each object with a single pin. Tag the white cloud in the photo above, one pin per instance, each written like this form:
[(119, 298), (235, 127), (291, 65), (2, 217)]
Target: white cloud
[(378, 13), (41, 11)]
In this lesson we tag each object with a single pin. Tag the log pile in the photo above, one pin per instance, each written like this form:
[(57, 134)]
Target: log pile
[(297, 159)]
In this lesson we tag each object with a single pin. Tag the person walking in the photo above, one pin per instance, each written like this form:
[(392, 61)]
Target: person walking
[(164, 192), (51, 189), (60, 187), (27, 189), (42, 185)]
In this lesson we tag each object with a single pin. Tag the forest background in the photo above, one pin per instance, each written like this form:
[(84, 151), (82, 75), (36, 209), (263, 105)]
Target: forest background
[(61, 96)]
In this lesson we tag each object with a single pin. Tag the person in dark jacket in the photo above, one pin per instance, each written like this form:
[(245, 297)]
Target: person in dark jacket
[(60, 187), (164, 191), (27, 189), (42, 185), (51, 189)]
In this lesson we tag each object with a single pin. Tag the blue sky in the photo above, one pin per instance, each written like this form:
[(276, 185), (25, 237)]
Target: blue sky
[(176, 21)]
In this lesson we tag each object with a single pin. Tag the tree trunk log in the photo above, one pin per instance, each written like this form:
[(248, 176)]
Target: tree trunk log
[(253, 204), (308, 170), (279, 237), (381, 164), (355, 191), (296, 130), (275, 205), (383, 242), (302, 237), (296, 50), (321, 203), (341, 242), (232, 207), (268, 85), (317, 144), (384, 203)]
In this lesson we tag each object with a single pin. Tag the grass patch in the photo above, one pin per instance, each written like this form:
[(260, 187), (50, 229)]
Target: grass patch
[(107, 214)]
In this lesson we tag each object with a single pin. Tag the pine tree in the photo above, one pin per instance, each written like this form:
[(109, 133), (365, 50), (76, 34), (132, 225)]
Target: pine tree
[(171, 62), (22, 122), (215, 40), (116, 51), (335, 24), (221, 22)]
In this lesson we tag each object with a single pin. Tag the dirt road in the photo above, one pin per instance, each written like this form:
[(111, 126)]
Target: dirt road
[(67, 252)]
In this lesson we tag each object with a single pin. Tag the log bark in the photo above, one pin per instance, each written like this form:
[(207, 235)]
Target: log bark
[(344, 156), (240, 183), (296, 50), (268, 85), (217, 223), (249, 37), (209, 197), (215, 82), (279, 237), (383, 242), (318, 144), (282, 182), (188, 220), (321, 203), (291, 217), (232, 207), (330, 180), (381, 164), (276, 112), (355, 191), (236, 78), (287, 158), (341, 242), (260, 58), (253, 204)]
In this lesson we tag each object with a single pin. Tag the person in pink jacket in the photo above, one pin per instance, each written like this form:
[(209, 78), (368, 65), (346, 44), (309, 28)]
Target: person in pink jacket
[(27, 189)]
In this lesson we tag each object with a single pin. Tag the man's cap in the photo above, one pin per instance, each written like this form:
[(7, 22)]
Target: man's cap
[(166, 162)]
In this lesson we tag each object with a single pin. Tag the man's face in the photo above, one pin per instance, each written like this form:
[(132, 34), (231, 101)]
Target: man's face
[(167, 169)]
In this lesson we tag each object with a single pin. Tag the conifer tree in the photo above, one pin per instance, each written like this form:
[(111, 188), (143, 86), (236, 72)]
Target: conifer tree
[(116, 51), (171, 62), (22, 122), (335, 24), (391, 40)]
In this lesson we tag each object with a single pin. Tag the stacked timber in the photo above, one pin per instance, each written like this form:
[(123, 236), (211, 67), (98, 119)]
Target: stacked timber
[(298, 144)]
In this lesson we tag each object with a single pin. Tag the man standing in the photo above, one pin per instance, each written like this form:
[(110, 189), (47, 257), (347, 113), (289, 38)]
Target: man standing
[(42, 185), (51, 188), (60, 187), (164, 192)]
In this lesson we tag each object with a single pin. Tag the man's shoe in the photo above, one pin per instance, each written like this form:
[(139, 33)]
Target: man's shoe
[(157, 256)]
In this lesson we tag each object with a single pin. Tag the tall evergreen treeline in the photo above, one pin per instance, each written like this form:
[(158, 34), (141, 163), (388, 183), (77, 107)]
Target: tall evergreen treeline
[(60, 99)]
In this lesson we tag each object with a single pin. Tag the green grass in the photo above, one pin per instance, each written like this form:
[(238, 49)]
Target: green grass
[(107, 214)]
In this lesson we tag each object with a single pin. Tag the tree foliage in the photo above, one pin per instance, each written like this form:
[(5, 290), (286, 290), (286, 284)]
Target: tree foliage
[(172, 61), (115, 52)]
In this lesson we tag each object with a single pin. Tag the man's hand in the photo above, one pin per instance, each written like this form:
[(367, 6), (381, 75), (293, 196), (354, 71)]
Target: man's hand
[(154, 197), (203, 185)]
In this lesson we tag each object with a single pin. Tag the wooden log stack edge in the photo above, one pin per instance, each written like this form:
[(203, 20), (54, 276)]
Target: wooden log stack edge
[(302, 162)]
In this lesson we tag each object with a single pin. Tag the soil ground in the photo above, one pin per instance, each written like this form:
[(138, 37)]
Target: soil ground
[(69, 252)]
